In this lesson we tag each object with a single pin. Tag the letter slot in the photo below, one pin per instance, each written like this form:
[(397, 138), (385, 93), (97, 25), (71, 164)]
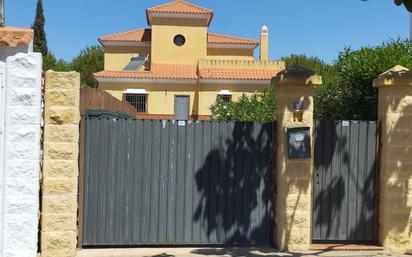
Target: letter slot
[(299, 145)]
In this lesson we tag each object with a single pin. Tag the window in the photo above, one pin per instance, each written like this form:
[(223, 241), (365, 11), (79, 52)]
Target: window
[(226, 98), (138, 101), (179, 40), (224, 95)]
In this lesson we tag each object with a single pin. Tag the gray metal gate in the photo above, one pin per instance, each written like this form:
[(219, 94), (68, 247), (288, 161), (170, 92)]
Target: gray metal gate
[(345, 181), (150, 182)]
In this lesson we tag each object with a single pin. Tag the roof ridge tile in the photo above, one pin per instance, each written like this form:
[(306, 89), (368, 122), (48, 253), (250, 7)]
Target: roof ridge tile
[(230, 37), (168, 4), (123, 33)]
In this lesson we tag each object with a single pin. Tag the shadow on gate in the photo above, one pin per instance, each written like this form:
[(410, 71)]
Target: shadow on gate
[(235, 184), (345, 182)]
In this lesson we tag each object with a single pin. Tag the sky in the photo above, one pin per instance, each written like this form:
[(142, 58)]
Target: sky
[(319, 28)]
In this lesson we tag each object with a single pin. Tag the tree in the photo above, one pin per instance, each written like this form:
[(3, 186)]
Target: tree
[(89, 61), (346, 93), (259, 107), (325, 94), (40, 40), (312, 63), (406, 3), (50, 62), (356, 70)]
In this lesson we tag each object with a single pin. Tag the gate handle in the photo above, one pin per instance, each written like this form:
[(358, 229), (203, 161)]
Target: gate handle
[(317, 178)]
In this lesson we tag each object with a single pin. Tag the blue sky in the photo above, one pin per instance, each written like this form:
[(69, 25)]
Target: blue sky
[(314, 27)]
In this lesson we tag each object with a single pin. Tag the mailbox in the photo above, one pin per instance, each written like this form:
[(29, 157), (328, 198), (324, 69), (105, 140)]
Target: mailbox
[(299, 143)]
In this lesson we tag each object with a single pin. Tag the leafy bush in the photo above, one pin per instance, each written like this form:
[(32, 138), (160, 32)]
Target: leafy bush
[(347, 91), (259, 107), (356, 70)]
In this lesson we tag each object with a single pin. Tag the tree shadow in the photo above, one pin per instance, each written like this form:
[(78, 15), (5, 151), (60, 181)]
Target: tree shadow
[(250, 252), (396, 167), (383, 194), (345, 182), (293, 179), (376, 196), (235, 184), (160, 255)]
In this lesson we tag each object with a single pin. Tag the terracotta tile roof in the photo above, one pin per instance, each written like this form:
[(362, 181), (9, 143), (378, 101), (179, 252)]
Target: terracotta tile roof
[(188, 71), (241, 74), (145, 35), (136, 35), (214, 38), (13, 37), (179, 7), (158, 71)]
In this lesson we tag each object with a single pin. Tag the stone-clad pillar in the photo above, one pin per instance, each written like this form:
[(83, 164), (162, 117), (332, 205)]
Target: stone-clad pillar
[(293, 194), (395, 115), (60, 167), (21, 163)]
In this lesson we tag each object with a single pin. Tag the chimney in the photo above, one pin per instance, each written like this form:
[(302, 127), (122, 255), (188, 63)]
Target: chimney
[(2, 16), (264, 44)]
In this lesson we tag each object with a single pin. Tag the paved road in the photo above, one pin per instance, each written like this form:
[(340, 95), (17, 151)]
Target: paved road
[(223, 252)]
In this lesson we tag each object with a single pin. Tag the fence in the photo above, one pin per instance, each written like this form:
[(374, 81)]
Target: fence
[(97, 99)]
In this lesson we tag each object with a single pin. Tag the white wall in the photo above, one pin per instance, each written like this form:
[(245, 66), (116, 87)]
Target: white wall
[(2, 113), (20, 158)]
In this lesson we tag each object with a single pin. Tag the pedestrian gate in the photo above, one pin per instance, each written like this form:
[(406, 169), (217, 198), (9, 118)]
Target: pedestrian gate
[(150, 182), (345, 181)]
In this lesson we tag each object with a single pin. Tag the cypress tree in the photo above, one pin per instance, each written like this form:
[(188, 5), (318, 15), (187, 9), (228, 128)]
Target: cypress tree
[(40, 41)]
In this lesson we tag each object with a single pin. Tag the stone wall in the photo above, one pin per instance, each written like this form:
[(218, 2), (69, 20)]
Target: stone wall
[(20, 153), (60, 167), (395, 114), (293, 177)]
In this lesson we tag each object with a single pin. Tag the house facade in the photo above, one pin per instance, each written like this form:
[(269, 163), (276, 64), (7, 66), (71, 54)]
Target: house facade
[(176, 68)]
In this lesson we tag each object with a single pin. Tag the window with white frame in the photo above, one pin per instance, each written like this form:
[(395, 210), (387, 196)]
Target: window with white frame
[(226, 98), (137, 98), (224, 95)]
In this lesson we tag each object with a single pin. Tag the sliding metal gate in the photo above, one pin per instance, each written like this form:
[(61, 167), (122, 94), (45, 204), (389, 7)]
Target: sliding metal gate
[(345, 181), (177, 183)]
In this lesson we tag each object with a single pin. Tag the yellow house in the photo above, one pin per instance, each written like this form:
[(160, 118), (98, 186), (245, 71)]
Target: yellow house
[(176, 69)]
